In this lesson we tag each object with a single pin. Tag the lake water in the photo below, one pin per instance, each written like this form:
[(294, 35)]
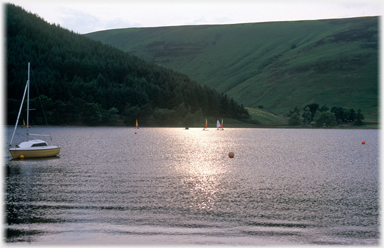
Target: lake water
[(174, 186)]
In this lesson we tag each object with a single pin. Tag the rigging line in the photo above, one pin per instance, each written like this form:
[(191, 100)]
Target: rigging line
[(41, 103)]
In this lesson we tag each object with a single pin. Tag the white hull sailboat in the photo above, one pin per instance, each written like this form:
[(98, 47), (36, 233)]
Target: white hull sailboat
[(34, 149), (219, 126), (31, 148)]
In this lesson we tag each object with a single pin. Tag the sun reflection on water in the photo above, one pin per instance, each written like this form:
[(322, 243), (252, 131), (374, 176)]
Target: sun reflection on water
[(204, 166)]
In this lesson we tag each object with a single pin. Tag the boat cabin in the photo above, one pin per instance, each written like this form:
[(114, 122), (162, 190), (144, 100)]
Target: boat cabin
[(32, 143)]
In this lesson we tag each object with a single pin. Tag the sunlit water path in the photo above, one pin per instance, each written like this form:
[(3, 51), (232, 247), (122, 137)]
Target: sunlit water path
[(175, 186)]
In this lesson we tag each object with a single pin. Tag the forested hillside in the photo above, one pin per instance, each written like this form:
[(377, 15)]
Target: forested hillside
[(81, 81), (276, 66)]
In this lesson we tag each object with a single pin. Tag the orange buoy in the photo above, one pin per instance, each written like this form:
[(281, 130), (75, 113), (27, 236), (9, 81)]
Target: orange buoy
[(363, 142), (231, 154)]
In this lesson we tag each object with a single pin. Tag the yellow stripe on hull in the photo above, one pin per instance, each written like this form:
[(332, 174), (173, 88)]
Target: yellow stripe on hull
[(38, 153)]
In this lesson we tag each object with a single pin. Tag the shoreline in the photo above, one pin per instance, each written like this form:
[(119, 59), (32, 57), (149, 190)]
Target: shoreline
[(369, 125)]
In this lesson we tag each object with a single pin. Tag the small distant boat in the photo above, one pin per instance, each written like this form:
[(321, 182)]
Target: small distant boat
[(24, 126), (205, 128), (186, 128), (219, 126), (31, 148), (222, 124), (137, 124)]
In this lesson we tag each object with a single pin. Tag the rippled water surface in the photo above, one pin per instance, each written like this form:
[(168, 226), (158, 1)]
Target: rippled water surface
[(175, 186)]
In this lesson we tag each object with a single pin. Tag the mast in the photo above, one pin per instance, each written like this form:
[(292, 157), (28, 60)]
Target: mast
[(28, 102), (18, 115)]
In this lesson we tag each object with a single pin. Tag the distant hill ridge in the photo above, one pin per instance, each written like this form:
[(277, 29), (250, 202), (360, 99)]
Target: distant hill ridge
[(276, 65)]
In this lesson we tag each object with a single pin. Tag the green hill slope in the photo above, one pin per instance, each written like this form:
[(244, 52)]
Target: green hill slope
[(278, 65)]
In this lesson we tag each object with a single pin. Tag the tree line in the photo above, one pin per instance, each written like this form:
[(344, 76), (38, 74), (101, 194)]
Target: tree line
[(78, 81), (324, 116)]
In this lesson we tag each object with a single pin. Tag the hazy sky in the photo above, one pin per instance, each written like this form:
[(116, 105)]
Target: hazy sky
[(88, 16)]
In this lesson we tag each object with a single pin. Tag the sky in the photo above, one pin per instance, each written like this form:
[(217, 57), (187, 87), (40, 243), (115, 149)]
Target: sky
[(85, 16)]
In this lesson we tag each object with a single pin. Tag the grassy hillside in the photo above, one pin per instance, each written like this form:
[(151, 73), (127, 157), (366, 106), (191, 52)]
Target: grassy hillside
[(265, 117), (278, 65)]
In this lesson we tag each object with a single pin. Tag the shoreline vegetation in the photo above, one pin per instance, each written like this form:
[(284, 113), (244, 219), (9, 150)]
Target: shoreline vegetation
[(370, 126), (366, 125)]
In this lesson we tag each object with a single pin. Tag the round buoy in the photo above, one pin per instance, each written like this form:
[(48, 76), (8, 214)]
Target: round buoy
[(21, 156), (135, 132), (363, 142), (231, 154)]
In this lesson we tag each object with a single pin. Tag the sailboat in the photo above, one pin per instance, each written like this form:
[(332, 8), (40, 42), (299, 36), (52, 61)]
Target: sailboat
[(220, 126), (137, 124), (31, 148), (25, 125), (205, 128)]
